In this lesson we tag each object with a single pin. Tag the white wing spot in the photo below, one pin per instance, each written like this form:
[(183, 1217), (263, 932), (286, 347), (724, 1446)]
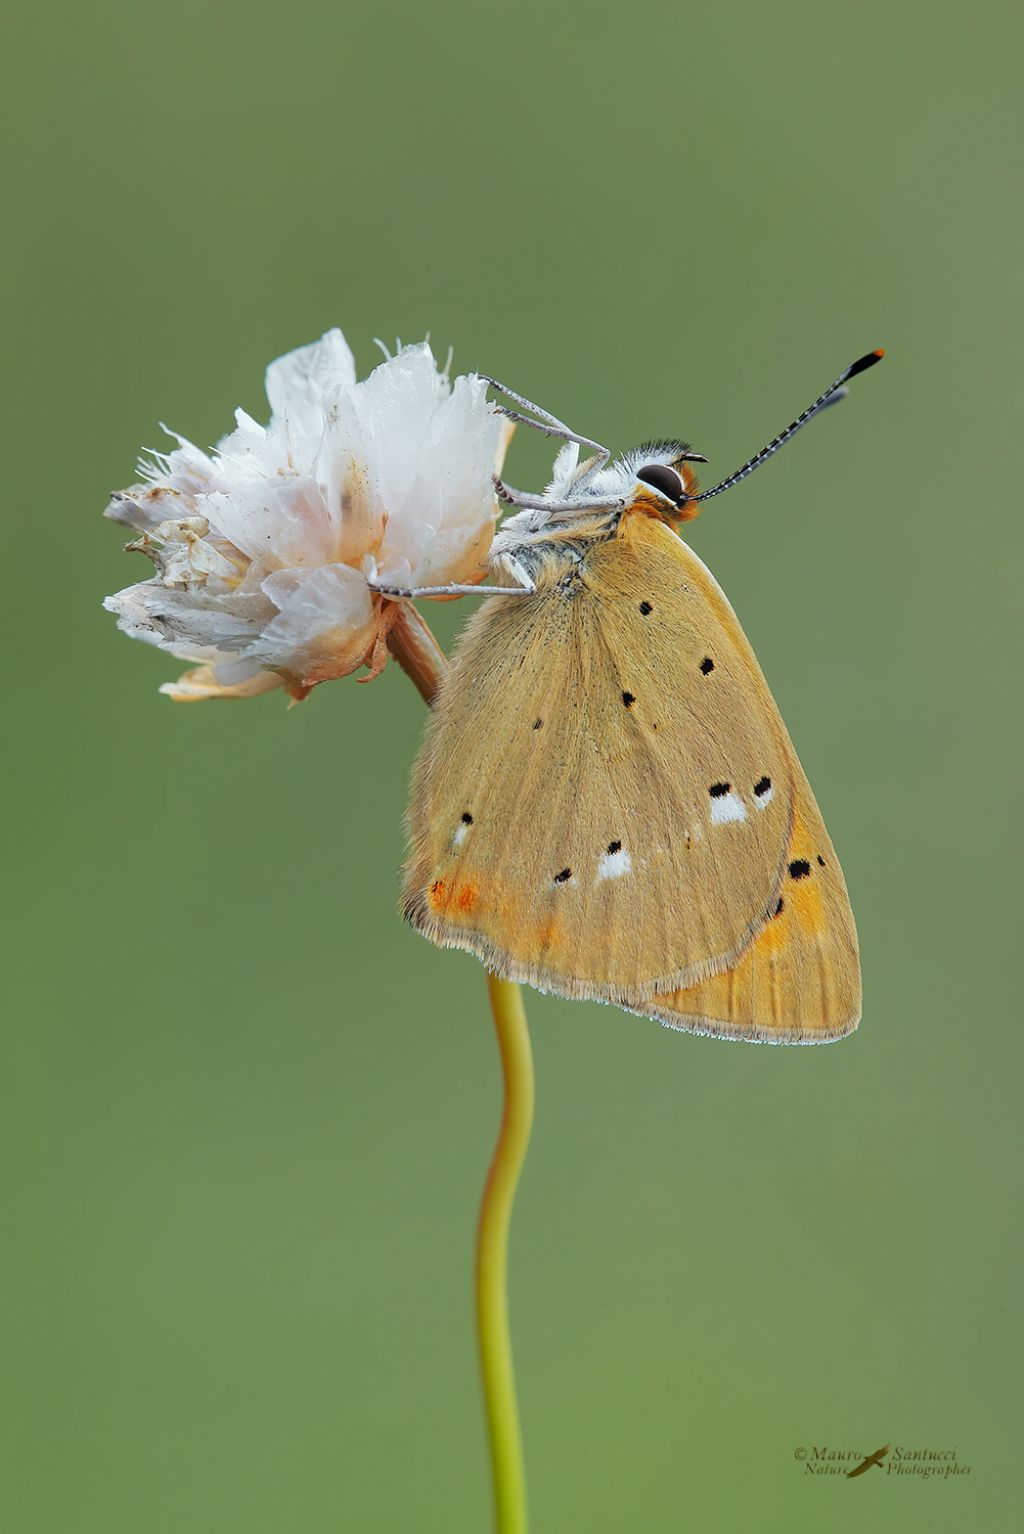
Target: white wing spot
[(726, 807), (764, 798), (614, 864), (460, 835)]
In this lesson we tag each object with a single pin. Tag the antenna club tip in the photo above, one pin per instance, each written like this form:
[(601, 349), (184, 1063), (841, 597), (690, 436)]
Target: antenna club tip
[(867, 361)]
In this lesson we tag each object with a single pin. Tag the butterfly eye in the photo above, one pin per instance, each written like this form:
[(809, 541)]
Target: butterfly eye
[(663, 479)]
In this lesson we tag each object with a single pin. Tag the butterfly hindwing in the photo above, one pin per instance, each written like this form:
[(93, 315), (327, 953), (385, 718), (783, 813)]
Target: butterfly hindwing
[(604, 802), (798, 982)]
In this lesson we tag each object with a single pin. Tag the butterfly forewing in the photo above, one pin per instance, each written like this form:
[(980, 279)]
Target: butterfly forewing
[(604, 802)]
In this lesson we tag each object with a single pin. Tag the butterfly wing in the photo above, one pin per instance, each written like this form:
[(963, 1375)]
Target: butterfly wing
[(798, 982), (604, 801)]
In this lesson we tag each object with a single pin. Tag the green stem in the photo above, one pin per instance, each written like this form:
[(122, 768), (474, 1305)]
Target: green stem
[(417, 652), (492, 1258)]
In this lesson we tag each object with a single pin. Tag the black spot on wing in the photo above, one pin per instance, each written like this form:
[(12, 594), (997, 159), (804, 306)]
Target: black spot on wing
[(762, 786), (718, 789), (467, 819), (799, 868), (564, 876), (614, 847), (537, 723), (707, 665), (628, 699), (645, 608)]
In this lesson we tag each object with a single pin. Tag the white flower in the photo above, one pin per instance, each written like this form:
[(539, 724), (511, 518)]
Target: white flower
[(262, 548)]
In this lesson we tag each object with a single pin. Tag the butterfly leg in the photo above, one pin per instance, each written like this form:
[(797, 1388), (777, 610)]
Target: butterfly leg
[(522, 500), (549, 424), (411, 593)]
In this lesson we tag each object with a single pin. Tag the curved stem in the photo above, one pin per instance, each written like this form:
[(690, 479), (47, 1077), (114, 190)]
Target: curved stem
[(421, 658), (492, 1258)]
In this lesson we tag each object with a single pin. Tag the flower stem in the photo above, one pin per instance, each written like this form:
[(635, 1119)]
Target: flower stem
[(492, 1258), (421, 658), (416, 651)]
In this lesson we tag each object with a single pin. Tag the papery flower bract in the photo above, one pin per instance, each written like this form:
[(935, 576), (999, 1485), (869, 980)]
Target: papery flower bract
[(262, 548)]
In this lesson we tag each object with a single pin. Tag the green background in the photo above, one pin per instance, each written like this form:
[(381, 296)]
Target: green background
[(247, 1111)]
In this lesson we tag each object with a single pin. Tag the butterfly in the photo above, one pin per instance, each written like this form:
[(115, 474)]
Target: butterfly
[(607, 804)]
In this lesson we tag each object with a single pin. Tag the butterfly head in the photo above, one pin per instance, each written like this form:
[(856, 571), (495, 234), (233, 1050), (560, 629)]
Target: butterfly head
[(665, 483), (655, 479)]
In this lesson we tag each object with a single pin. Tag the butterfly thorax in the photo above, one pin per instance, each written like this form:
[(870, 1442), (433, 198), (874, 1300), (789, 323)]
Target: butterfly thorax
[(546, 549)]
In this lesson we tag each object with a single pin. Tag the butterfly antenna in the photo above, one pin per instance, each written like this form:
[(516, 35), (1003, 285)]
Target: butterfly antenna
[(547, 423), (831, 396)]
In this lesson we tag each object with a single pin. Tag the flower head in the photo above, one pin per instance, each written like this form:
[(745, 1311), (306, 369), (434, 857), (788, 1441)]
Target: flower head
[(262, 547)]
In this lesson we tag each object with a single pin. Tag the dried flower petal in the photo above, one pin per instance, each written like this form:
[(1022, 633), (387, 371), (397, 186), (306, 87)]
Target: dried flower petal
[(262, 548)]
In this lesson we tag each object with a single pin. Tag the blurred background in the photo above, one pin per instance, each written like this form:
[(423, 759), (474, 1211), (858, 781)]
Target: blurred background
[(248, 1112)]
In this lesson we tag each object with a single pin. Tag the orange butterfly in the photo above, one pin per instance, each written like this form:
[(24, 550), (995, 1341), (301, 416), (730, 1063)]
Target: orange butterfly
[(607, 804)]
